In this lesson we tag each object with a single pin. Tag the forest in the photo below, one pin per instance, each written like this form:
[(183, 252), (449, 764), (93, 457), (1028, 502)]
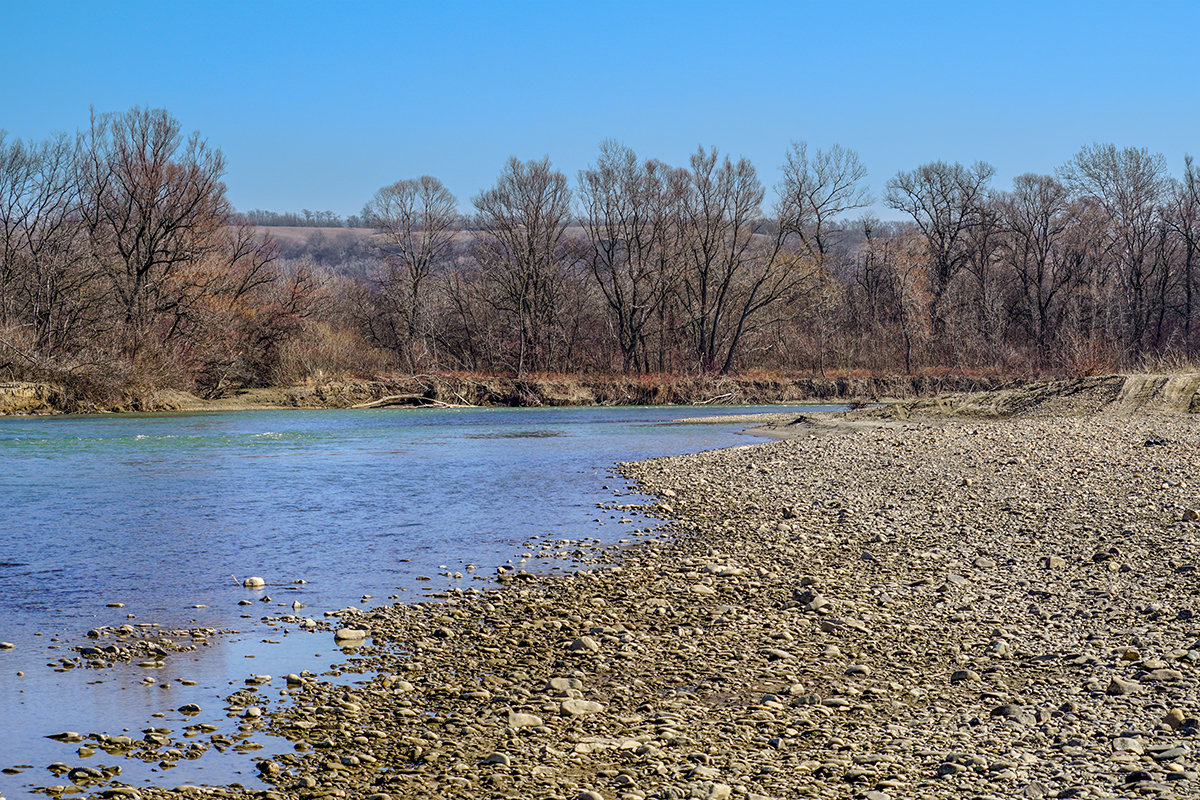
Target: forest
[(123, 264)]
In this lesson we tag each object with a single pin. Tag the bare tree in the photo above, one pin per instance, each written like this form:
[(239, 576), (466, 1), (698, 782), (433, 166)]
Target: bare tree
[(1185, 219), (415, 221), (44, 281), (1036, 215), (1129, 185), (731, 271), (522, 221), (153, 205), (632, 239), (944, 201), (816, 191)]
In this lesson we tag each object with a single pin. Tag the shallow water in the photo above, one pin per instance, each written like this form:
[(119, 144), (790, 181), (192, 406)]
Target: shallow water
[(164, 513)]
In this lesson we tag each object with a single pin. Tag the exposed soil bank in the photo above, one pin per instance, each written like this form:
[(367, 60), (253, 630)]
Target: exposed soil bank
[(938, 607), (456, 389)]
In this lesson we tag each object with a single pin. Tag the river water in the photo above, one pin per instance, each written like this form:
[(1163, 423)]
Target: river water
[(165, 515)]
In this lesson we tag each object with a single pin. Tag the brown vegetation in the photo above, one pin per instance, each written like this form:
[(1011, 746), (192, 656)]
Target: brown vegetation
[(124, 271)]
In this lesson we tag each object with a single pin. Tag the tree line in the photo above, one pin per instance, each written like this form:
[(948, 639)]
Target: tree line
[(122, 260), (648, 267), (304, 219)]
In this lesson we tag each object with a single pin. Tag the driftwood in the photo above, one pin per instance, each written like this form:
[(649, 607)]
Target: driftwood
[(718, 398), (396, 399)]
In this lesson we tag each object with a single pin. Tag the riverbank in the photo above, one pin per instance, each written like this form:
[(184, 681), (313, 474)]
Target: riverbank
[(463, 389), (913, 607)]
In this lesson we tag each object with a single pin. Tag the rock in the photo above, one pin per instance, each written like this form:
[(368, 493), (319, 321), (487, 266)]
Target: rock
[(1171, 753), (1174, 719), (1125, 744), (859, 670), (1120, 686), (584, 644), (351, 634), (254, 582), (189, 709), (503, 759), (1191, 515), (85, 775), (7, 645), (578, 708), (518, 720), (1054, 562), (1013, 712), (563, 684), (588, 794), (964, 676)]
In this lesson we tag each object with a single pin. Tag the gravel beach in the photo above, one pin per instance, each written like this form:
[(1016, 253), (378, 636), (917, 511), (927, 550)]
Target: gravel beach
[(898, 603)]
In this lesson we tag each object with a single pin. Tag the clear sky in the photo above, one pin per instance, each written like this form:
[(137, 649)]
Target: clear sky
[(316, 105)]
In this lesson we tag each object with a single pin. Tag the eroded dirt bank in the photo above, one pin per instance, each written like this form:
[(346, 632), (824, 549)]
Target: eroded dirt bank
[(910, 608)]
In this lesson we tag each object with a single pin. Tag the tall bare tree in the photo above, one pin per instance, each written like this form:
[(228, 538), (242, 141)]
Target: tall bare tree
[(633, 241), (816, 190), (522, 222), (153, 206), (1185, 219), (416, 221), (44, 281), (732, 269), (944, 201), (1036, 215), (1129, 185)]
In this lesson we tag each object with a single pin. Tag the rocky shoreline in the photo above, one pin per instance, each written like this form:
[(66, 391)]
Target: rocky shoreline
[(908, 608)]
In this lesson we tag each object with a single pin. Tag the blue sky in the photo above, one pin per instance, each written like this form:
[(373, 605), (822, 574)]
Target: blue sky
[(316, 105)]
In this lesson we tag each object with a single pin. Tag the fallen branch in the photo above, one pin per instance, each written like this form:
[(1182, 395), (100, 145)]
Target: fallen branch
[(396, 399), (715, 399)]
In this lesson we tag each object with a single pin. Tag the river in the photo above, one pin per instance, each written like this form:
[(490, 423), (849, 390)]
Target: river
[(157, 520)]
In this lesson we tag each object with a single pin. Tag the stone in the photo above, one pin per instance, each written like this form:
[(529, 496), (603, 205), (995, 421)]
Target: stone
[(518, 720), (502, 759), (254, 582), (584, 644), (578, 708), (351, 634), (190, 709), (1126, 744), (1120, 686), (85, 775), (1013, 712)]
